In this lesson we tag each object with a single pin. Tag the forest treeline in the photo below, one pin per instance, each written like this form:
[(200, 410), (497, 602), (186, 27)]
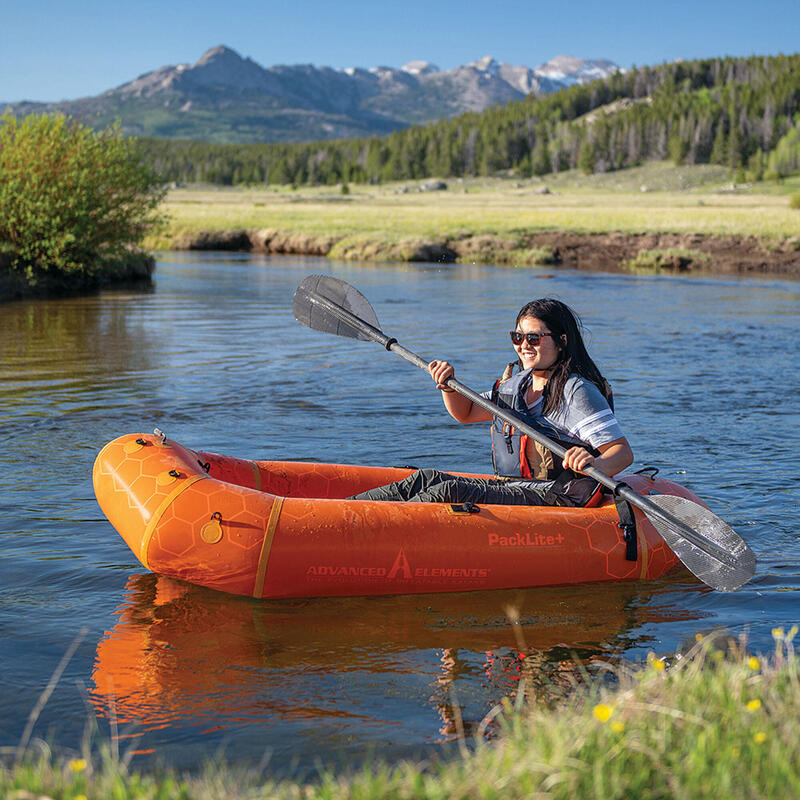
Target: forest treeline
[(738, 112)]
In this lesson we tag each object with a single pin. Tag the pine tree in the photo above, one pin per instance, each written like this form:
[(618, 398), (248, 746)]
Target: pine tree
[(719, 150), (586, 158)]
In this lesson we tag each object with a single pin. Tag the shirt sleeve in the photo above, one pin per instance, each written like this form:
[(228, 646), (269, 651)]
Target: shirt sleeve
[(586, 415)]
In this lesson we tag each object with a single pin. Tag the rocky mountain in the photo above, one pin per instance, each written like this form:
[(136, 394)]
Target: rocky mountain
[(223, 97)]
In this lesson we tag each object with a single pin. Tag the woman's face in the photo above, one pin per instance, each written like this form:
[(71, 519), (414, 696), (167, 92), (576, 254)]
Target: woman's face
[(539, 356)]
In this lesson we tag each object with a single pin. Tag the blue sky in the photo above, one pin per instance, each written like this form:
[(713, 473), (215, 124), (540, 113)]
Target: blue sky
[(54, 50)]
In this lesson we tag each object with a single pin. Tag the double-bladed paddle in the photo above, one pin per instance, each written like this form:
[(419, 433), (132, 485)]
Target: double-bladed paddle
[(709, 547)]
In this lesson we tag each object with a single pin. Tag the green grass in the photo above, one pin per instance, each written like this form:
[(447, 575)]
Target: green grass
[(677, 200), (672, 259), (654, 176), (711, 722)]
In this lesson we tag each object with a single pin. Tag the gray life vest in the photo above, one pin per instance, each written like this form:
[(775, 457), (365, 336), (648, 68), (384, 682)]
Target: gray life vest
[(510, 456)]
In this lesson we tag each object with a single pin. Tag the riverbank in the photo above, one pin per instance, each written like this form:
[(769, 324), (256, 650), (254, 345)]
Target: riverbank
[(653, 218), (134, 269), (641, 252), (711, 721)]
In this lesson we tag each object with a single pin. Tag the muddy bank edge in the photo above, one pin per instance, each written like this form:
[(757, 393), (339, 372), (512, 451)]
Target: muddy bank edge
[(668, 252)]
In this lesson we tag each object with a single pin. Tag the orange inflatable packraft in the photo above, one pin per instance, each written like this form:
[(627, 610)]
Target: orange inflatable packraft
[(273, 529)]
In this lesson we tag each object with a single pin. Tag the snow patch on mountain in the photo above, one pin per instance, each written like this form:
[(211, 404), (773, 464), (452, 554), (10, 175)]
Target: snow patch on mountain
[(419, 68), (569, 70)]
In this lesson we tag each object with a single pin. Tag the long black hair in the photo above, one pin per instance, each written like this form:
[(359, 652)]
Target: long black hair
[(566, 327)]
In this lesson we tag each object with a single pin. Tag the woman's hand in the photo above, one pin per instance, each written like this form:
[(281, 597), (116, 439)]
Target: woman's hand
[(576, 458), (460, 408), (614, 457), (440, 372)]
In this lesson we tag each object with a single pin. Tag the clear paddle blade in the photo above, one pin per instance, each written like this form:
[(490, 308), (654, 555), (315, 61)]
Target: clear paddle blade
[(725, 573), (308, 311)]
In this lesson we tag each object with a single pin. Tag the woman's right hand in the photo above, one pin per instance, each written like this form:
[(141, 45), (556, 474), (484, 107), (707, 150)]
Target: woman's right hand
[(460, 408), (440, 372)]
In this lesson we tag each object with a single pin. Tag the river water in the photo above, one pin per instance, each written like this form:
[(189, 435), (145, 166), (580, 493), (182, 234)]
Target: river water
[(704, 372)]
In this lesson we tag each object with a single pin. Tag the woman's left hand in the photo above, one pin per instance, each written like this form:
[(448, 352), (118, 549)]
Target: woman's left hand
[(576, 458)]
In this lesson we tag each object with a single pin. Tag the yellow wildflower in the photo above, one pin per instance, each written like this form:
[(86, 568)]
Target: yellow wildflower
[(777, 633), (753, 663), (656, 663), (754, 705), (698, 637), (617, 726), (602, 712), (77, 764), (759, 737)]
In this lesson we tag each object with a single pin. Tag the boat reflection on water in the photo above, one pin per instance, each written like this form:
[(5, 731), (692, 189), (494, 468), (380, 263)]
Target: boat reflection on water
[(181, 654)]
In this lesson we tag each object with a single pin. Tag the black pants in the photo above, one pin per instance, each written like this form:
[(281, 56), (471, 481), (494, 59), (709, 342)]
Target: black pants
[(432, 486)]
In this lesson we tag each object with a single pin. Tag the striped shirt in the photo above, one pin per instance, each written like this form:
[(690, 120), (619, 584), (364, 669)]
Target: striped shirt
[(584, 417)]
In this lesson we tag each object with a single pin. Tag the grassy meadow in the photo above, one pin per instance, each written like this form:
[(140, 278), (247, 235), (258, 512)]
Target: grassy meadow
[(712, 721), (657, 197)]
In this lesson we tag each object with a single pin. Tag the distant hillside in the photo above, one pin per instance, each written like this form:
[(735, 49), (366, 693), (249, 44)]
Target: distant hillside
[(223, 97), (728, 111)]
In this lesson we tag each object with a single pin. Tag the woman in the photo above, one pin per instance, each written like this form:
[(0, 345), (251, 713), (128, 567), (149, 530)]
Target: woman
[(558, 391)]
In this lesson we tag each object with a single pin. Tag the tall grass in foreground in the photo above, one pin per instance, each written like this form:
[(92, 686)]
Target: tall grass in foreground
[(713, 722)]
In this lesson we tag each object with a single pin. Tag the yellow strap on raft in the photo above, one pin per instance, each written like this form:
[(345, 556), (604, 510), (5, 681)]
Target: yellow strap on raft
[(269, 535), (156, 518), (256, 476)]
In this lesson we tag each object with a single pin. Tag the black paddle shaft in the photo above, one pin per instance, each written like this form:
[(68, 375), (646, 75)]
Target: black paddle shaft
[(619, 488)]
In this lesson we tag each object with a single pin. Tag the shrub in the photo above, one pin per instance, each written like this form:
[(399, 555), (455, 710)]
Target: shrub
[(72, 201), (532, 257), (784, 160), (794, 200), (675, 259)]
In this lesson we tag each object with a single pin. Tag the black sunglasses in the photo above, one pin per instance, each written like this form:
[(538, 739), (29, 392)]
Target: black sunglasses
[(531, 338)]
